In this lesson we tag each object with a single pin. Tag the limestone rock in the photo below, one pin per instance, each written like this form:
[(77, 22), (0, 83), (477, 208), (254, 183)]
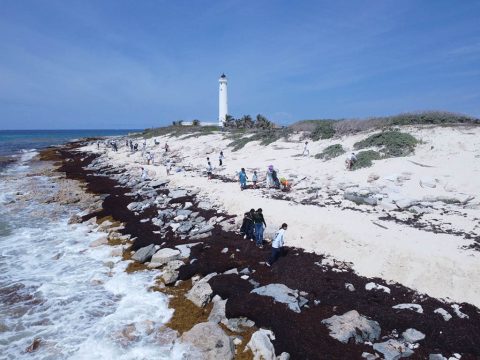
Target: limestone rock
[(170, 276), (204, 205), (413, 335), (360, 199), (352, 325), (393, 349), (280, 293), (184, 212), (237, 324), (144, 254), (414, 307), (185, 249), (436, 357), (283, 356), (261, 346), (75, 219), (210, 341), (368, 356), (204, 229), (165, 255), (373, 286), (460, 314), (349, 287), (177, 194), (201, 292), (444, 313), (218, 311), (185, 227), (99, 242)]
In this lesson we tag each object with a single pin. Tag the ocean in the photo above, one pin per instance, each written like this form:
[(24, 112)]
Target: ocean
[(72, 300), (14, 141)]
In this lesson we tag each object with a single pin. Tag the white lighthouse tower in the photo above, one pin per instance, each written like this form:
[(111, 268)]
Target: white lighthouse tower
[(222, 100)]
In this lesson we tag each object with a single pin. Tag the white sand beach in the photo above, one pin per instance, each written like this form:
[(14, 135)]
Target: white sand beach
[(440, 181)]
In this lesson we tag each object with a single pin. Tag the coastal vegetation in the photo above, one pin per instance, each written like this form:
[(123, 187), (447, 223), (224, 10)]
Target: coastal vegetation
[(328, 128), (266, 137), (365, 158), (331, 152), (390, 143)]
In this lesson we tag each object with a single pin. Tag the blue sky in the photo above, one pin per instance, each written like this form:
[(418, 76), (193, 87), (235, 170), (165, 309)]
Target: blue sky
[(136, 64)]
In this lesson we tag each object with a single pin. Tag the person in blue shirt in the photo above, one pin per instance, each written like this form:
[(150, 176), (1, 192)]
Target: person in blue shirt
[(242, 176)]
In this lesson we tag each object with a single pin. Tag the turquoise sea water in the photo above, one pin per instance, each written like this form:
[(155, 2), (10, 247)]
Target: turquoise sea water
[(14, 141)]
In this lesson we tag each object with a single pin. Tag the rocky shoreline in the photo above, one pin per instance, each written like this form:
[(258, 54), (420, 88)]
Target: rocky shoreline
[(307, 305)]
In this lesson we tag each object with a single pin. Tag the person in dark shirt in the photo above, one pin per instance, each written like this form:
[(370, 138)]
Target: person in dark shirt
[(247, 228), (260, 226)]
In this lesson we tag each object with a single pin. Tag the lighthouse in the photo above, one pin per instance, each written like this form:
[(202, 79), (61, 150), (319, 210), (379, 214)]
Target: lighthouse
[(222, 100)]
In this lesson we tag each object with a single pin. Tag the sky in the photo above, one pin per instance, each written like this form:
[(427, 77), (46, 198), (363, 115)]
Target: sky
[(115, 64)]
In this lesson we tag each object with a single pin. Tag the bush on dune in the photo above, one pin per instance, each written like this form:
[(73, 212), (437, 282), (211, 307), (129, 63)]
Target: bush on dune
[(323, 130), (365, 158), (266, 137), (331, 152), (391, 143)]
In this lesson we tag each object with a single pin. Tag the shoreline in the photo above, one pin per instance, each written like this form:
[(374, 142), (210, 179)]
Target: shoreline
[(302, 335)]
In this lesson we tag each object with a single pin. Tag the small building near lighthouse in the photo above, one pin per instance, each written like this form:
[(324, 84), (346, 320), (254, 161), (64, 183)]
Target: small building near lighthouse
[(222, 100)]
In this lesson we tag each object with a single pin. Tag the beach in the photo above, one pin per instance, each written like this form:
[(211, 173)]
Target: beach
[(176, 237)]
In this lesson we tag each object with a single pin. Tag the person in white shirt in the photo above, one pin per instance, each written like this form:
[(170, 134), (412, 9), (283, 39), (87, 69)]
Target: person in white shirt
[(277, 245), (306, 152), (350, 161)]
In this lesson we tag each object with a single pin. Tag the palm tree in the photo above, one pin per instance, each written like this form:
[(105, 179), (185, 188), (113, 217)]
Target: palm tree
[(246, 122), (263, 123), (229, 121)]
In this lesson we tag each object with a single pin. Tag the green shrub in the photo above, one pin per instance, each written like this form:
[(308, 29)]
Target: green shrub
[(365, 158), (265, 137), (323, 130), (391, 143), (431, 117), (331, 152)]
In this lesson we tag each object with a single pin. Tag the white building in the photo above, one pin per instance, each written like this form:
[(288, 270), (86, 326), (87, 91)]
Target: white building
[(222, 100)]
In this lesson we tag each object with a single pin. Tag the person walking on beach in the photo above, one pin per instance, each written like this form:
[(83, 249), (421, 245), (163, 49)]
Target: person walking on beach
[(255, 179), (260, 226), (277, 245), (149, 157), (242, 177), (168, 167), (166, 147), (306, 152), (209, 170), (220, 158)]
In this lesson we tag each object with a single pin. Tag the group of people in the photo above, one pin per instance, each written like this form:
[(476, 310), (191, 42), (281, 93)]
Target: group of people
[(253, 227), (221, 157), (272, 180)]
